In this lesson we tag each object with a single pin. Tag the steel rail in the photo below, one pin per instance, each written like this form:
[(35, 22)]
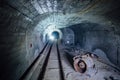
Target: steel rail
[(33, 63), (43, 69), (60, 64)]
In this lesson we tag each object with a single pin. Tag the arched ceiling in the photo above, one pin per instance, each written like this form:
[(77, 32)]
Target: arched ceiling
[(64, 13)]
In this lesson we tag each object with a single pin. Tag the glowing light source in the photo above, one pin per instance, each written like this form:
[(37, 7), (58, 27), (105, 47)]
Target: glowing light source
[(51, 37), (53, 33), (68, 42)]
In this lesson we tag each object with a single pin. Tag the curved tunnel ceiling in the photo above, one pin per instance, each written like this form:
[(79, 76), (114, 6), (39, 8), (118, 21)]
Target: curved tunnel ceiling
[(64, 13), (21, 19)]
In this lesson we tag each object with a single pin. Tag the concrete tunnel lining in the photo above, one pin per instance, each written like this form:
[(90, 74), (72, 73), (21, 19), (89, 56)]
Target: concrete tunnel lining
[(22, 24)]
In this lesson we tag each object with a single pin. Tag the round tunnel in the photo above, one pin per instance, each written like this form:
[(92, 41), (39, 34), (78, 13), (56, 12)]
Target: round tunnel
[(25, 24), (56, 34)]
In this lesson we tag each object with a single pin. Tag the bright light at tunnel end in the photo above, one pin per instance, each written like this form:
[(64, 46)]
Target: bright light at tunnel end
[(49, 31), (51, 37)]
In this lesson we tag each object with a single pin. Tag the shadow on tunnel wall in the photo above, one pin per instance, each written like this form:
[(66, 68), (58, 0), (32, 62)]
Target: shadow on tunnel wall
[(18, 48), (69, 59), (92, 36)]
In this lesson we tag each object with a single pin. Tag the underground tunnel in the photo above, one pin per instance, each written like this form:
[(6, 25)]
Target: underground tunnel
[(59, 40)]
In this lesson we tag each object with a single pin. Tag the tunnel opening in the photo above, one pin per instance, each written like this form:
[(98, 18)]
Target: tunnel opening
[(91, 36), (56, 34), (68, 38)]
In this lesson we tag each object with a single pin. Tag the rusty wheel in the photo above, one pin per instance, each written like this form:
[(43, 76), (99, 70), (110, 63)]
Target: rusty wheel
[(80, 66)]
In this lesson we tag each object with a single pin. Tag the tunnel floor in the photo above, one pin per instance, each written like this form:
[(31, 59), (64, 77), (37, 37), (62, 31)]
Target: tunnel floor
[(51, 71)]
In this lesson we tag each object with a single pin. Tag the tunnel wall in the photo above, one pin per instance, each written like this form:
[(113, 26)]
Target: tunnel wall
[(68, 35), (103, 40), (18, 45), (92, 36)]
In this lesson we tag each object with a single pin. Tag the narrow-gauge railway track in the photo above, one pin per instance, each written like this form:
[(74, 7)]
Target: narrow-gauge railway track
[(28, 71), (47, 67), (42, 73), (60, 64)]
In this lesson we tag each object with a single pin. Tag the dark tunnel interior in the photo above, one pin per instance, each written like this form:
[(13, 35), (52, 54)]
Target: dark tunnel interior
[(26, 26), (55, 34)]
